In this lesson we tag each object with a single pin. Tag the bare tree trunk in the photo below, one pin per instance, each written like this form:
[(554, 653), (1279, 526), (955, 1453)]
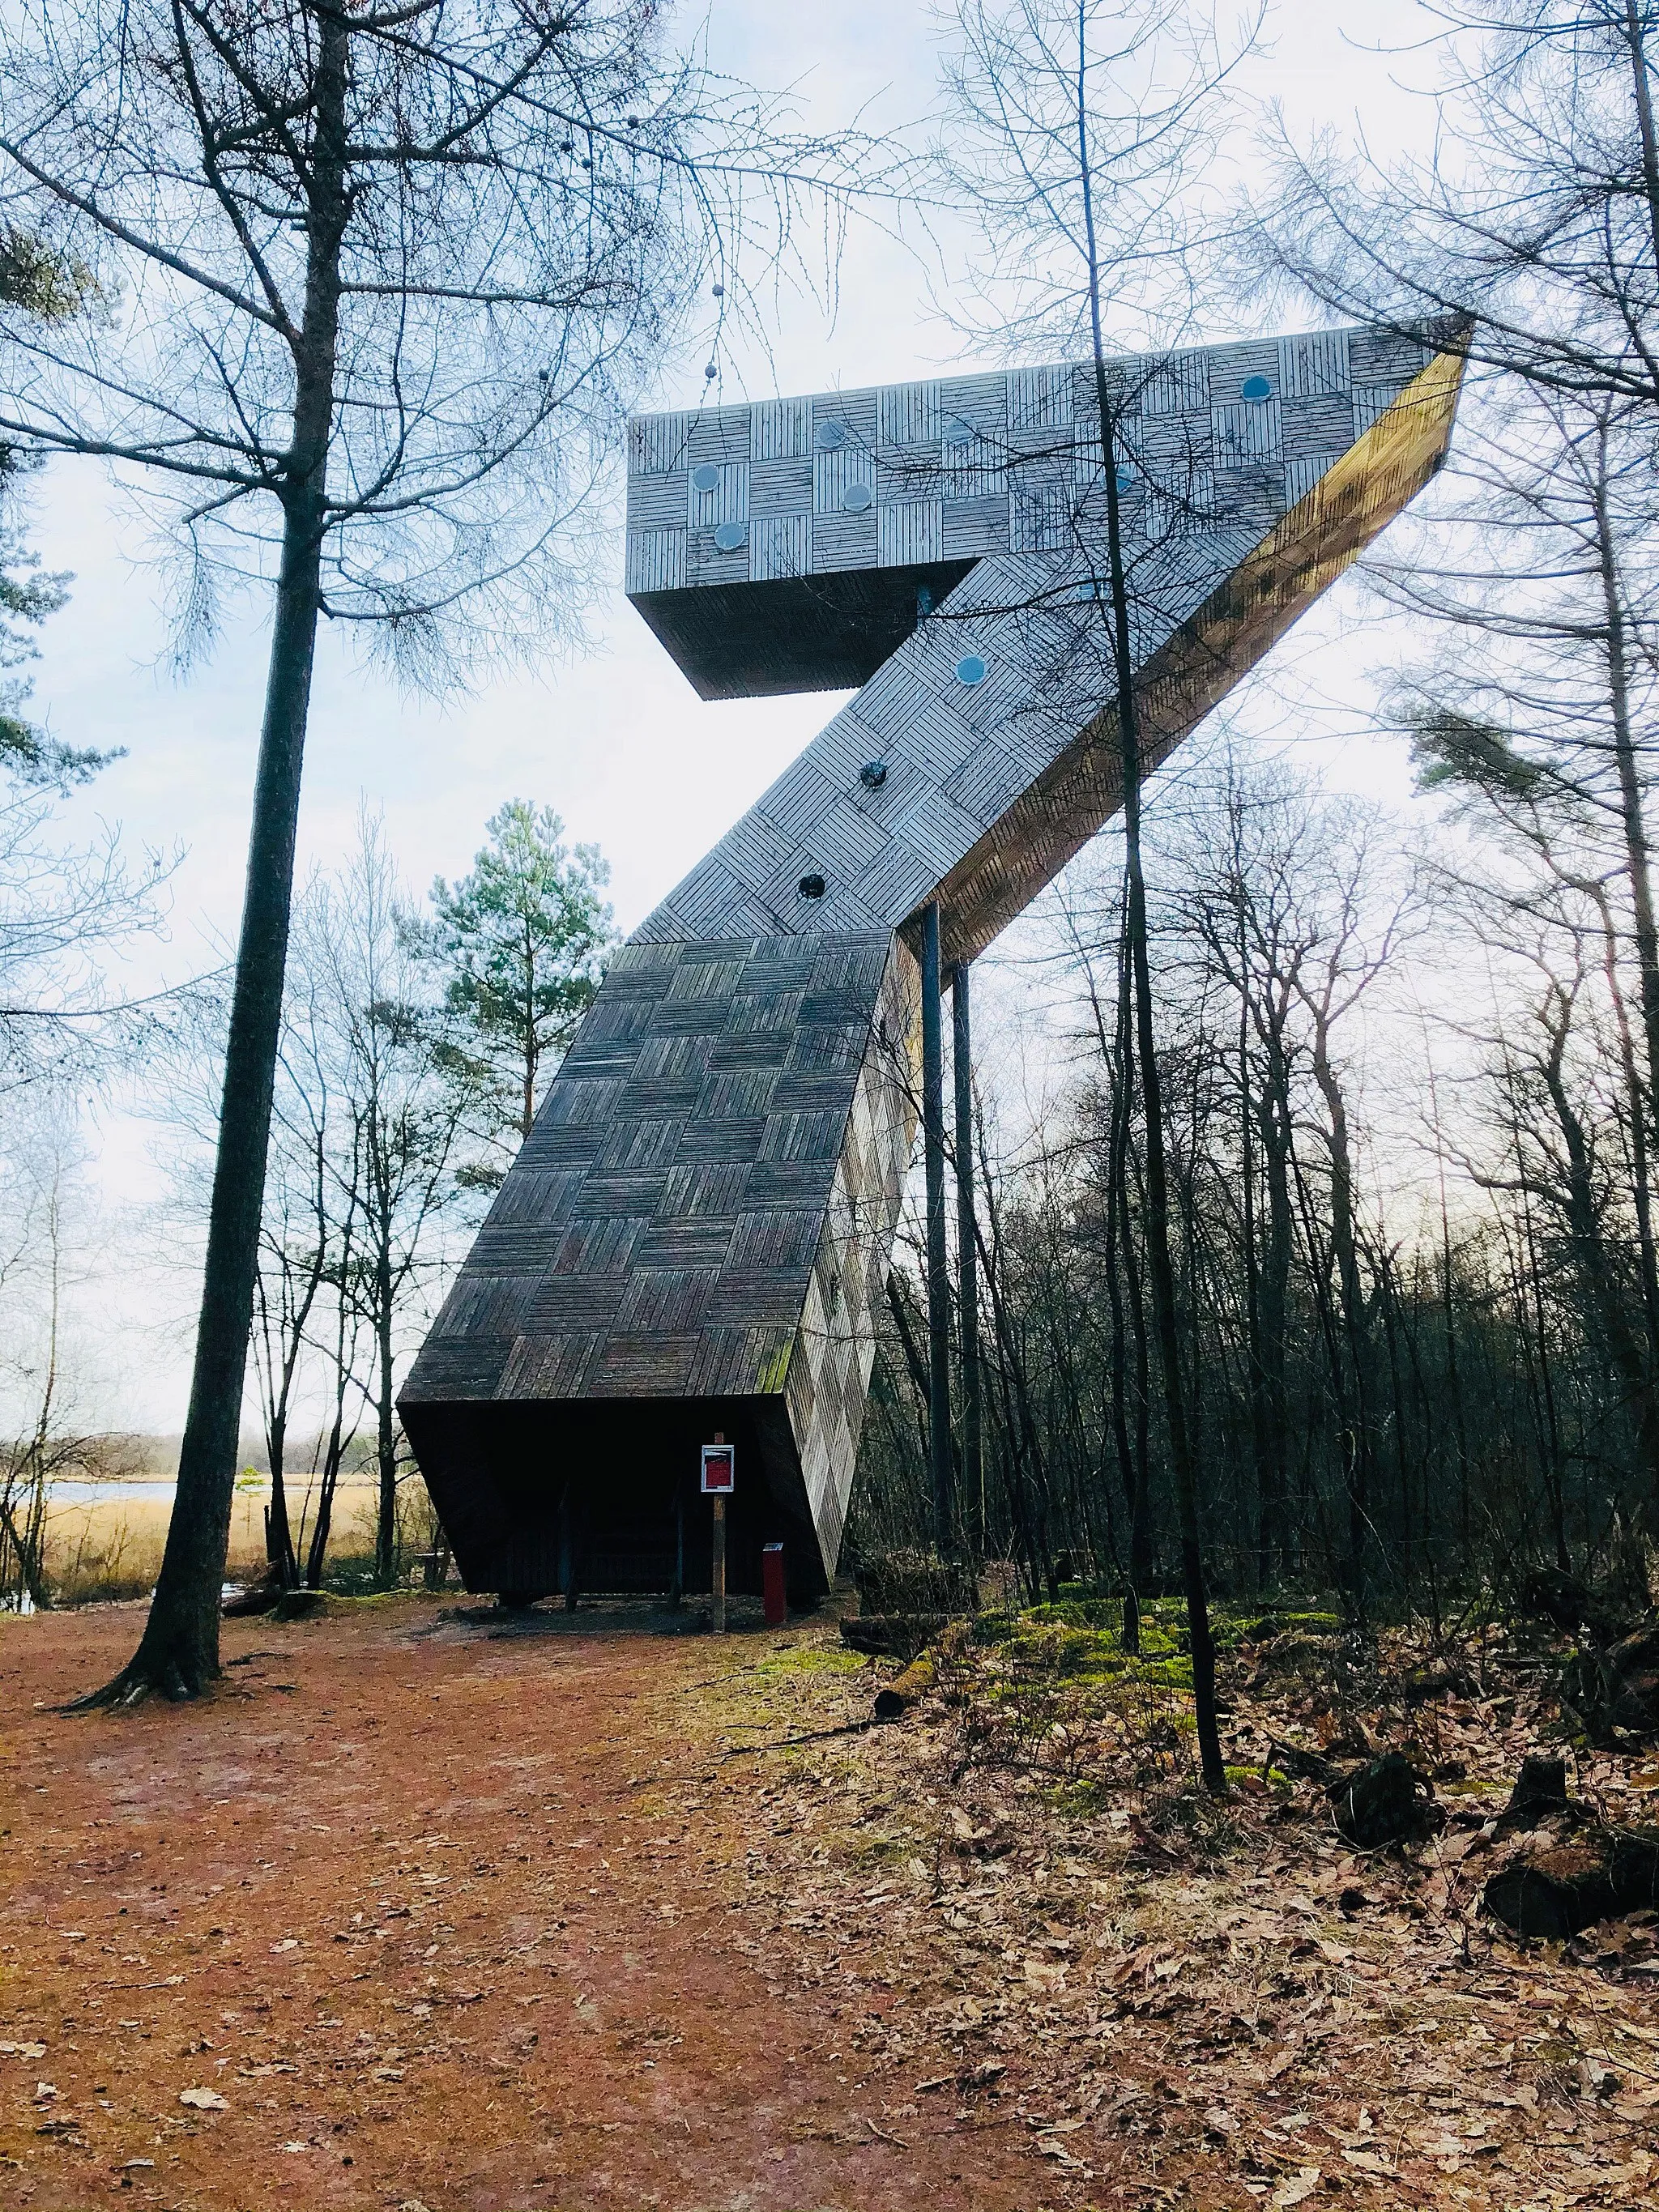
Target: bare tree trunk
[(1359, 1482), (1624, 1350), (1638, 859), (179, 1652), (1637, 34), (1551, 1440), (1119, 1060), (280, 1555), (1267, 1472), (1273, 1124), (1639, 1110), (385, 1438), (1166, 1315)]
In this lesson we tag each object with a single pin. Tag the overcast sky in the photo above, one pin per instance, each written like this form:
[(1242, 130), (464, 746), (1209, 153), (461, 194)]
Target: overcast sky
[(614, 738)]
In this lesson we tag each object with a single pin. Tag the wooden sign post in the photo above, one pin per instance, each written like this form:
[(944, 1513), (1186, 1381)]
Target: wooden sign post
[(717, 1485)]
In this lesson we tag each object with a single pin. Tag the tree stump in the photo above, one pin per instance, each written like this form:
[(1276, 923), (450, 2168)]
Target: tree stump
[(1600, 1875), (1540, 1793), (1615, 1692), (1387, 1801)]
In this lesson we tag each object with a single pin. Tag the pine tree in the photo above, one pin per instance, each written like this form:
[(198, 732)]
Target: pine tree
[(523, 939)]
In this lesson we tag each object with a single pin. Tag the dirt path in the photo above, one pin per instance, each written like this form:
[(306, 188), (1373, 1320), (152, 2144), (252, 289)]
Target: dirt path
[(446, 1919), (450, 1915)]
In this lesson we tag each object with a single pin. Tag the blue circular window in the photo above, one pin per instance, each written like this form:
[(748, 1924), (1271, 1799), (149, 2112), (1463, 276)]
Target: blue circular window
[(1126, 479), (1255, 388), (829, 437), (958, 433), (730, 535), (707, 478), (810, 886), (873, 774), (971, 669), (857, 497)]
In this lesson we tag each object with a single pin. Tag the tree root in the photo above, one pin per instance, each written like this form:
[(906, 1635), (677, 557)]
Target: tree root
[(133, 1685)]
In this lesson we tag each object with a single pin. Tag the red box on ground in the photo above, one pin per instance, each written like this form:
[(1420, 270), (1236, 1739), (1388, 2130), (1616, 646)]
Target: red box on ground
[(777, 1604)]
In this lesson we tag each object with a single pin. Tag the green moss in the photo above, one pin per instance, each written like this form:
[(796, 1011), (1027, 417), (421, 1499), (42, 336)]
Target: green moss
[(1081, 1612), (1049, 1648), (811, 1659), (1237, 1776), (1080, 1801), (990, 1628)]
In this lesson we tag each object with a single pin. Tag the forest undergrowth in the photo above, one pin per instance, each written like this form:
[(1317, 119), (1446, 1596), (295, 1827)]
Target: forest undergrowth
[(1045, 1924)]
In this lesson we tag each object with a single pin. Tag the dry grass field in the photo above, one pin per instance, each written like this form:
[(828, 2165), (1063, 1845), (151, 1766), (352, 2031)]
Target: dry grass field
[(109, 1547)]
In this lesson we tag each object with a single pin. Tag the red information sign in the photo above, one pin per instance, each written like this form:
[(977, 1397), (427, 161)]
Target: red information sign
[(717, 1470)]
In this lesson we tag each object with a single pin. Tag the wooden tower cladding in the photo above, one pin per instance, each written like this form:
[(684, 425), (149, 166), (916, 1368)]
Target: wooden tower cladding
[(696, 1232)]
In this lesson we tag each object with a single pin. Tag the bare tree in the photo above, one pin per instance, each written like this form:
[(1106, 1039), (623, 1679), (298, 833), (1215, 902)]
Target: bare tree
[(1534, 218), (389, 1056), (381, 282), (65, 911), (1081, 133), (43, 1249)]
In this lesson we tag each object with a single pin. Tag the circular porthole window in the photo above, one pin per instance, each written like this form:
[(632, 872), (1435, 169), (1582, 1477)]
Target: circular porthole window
[(857, 497), (729, 536), (706, 478), (1126, 479), (829, 437), (957, 432), (810, 887), (873, 774), (1255, 388), (970, 670)]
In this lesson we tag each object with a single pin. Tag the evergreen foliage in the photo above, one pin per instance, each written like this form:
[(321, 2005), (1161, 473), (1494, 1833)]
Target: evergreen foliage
[(523, 938)]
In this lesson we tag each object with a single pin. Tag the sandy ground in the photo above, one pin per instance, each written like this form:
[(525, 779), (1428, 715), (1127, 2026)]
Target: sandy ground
[(446, 1918)]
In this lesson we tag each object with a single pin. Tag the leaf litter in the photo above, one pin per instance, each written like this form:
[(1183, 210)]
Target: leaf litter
[(1025, 1904)]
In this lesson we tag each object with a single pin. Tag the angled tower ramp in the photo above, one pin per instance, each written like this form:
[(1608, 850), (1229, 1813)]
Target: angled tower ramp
[(696, 1232)]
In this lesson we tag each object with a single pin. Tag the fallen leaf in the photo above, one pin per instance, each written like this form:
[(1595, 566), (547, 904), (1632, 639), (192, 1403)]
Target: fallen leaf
[(1292, 2192), (203, 2100), (982, 2075)]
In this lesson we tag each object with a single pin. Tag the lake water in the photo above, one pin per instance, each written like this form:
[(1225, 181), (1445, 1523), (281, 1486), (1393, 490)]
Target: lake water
[(74, 1492)]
